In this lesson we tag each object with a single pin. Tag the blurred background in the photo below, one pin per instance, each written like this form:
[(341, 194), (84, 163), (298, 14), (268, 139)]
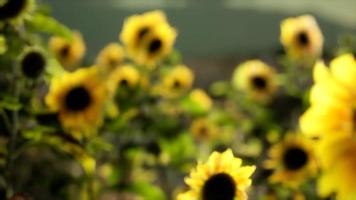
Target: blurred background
[(214, 35)]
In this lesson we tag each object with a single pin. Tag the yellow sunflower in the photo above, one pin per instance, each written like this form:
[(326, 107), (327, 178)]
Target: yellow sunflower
[(293, 161), (124, 77), (338, 162), (203, 129), (302, 38), (222, 177), (332, 98), (15, 10), (201, 99), (178, 81), (32, 63), (110, 56), (148, 37), (78, 97), (68, 53), (256, 79)]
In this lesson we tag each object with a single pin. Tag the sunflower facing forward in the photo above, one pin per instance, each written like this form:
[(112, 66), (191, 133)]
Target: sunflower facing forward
[(292, 160), (302, 38), (68, 52), (148, 37), (78, 97), (221, 178), (203, 129), (177, 81), (256, 79)]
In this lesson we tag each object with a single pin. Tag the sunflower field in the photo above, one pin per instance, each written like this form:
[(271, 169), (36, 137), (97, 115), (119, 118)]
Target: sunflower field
[(136, 120)]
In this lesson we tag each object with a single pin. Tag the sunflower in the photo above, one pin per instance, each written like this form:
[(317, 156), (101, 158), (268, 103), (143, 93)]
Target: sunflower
[(147, 37), (302, 38), (338, 162), (78, 97), (332, 98), (68, 52), (178, 81), (157, 45), (293, 161), (221, 178), (256, 79), (14, 10), (124, 77), (201, 99), (110, 56), (32, 63), (203, 128)]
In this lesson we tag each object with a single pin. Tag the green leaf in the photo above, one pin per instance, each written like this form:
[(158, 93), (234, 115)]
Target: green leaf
[(10, 104), (147, 190), (47, 24)]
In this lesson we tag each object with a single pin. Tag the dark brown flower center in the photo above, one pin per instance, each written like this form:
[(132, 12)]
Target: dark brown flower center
[(295, 158), (33, 64), (142, 33), (12, 9), (303, 39), (177, 84), (124, 83), (219, 187), (203, 131), (155, 45), (259, 82), (64, 51), (78, 99)]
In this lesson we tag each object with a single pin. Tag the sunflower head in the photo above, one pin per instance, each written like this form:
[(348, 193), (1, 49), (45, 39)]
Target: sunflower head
[(293, 161), (302, 38), (14, 10), (78, 97), (221, 177), (124, 78), (203, 129), (148, 37), (32, 63), (68, 52), (178, 81), (256, 79), (110, 56)]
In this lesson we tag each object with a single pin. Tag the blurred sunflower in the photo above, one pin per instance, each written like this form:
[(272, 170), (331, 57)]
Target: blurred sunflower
[(256, 79), (332, 98), (293, 161), (302, 38), (110, 56), (178, 81), (68, 52), (124, 77), (338, 162), (147, 37), (32, 63), (201, 99), (15, 9), (203, 129), (78, 97), (222, 177), (157, 45)]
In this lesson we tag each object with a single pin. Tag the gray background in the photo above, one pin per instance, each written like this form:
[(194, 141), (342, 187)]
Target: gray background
[(214, 35)]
